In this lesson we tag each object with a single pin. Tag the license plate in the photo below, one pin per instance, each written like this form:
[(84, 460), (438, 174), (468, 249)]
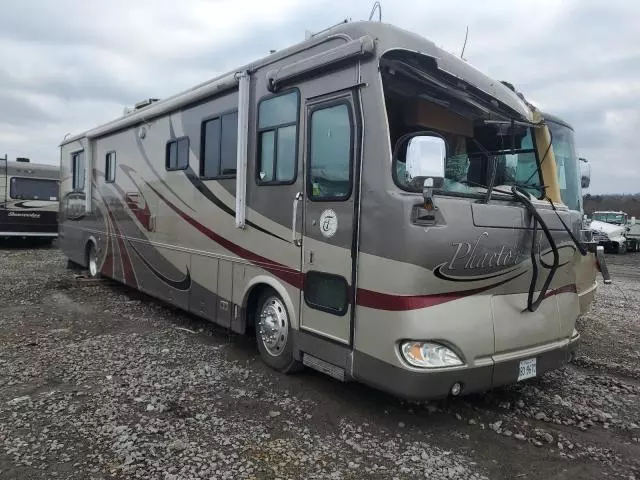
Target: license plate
[(527, 369)]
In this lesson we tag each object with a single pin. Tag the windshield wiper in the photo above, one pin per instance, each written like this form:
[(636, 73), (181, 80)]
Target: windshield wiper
[(532, 305)]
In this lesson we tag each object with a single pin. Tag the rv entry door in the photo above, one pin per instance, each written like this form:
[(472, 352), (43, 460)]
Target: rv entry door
[(329, 217)]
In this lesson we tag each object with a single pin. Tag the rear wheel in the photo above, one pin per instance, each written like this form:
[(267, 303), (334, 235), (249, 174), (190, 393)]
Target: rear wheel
[(92, 257), (274, 333)]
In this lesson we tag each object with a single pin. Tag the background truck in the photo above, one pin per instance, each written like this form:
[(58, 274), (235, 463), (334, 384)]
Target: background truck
[(616, 231)]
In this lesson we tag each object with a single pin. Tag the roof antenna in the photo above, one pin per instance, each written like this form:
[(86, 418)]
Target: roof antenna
[(377, 5), (466, 35)]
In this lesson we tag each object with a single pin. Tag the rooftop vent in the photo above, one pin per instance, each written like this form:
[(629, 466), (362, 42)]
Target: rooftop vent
[(22, 159), (145, 103)]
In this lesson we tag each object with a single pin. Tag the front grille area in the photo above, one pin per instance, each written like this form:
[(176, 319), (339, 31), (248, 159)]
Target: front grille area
[(600, 237)]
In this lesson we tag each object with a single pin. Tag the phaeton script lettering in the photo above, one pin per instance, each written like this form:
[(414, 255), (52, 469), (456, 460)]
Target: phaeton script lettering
[(471, 255)]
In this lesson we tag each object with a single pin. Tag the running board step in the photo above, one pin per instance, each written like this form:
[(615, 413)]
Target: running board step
[(324, 367)]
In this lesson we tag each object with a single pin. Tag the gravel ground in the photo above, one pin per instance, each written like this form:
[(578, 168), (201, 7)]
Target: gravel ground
[(97, 382)]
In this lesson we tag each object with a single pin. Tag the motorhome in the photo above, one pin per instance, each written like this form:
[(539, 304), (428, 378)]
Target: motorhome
[(28, 199), (370, 205)]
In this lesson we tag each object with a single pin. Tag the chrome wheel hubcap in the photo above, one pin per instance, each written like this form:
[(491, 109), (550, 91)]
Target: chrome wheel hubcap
[(93, 263), (273, 326)]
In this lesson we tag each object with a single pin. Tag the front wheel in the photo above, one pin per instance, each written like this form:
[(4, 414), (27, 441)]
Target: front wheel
[(274, 333), (94, 270)]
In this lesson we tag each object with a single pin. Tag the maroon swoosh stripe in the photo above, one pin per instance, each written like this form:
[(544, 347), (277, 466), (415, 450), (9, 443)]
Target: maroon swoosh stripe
[(571, 288), (129, 276), (127, 266), (384, 301), (366, 298), (287, 274), (107, 266)]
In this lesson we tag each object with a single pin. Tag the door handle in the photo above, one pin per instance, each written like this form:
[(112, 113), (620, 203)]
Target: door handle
[(294, 221)]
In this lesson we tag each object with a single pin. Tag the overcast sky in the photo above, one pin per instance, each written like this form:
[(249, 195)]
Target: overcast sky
[(69, 65)]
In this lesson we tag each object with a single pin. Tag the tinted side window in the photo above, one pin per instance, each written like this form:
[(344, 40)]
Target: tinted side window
[(229, 144), (177, 154), (220, 144), (330, 153), (110, 167), (211, 149), (326, 292), (78, 174), (278, 138)]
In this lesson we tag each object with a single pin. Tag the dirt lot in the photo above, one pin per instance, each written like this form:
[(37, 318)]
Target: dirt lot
[(99, 382)]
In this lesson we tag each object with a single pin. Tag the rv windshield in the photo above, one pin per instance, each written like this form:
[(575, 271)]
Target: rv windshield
[(33, 189), (415, 102), (609, 217), (562, 139), (469, 159)]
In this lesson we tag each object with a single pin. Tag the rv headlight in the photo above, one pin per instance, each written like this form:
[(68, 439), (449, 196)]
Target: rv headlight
[(429, 355)]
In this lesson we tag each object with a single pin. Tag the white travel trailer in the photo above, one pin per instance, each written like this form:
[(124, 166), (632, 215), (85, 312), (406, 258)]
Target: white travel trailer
[(373, 206), (28, 199)]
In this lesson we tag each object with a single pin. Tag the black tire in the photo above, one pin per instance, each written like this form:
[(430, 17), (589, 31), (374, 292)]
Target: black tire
[(277, 354), (92, 256)]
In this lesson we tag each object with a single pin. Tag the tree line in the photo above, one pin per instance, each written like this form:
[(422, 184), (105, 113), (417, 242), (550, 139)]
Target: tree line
[(629, 203)]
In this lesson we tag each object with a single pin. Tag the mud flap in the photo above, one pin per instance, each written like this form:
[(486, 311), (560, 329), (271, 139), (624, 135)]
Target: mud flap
[(602, 264)]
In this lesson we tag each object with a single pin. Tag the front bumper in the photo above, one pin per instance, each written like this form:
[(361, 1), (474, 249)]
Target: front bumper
[(424, 385)]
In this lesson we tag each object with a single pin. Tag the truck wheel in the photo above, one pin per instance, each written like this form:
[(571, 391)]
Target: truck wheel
[(274, 333), (621, 248), (92, 260)]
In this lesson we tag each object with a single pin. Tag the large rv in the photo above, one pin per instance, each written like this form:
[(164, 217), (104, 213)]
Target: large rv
[(368, 204), (28, 199)]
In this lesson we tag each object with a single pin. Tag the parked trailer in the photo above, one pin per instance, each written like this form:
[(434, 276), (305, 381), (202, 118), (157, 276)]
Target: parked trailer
[(353, 198), (28, 199)]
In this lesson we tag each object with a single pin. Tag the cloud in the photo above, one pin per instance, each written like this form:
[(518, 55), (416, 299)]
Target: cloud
[(68, 66)]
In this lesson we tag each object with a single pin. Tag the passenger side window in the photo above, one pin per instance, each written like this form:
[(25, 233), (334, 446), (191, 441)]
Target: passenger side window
[(177, 154), (110, 167), (219, 146), (78, 173), (326, 292), (330, 152), (278, 138)]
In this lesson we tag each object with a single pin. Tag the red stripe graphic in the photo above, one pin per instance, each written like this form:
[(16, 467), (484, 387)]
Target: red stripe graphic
[(289, 275), (571, 288), (365, 298), (384, 301), (129, 276), (127, 266), (107, 266)]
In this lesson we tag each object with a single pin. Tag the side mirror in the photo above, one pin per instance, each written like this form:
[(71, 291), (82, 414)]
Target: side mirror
[(585, 173), (425, 159)]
